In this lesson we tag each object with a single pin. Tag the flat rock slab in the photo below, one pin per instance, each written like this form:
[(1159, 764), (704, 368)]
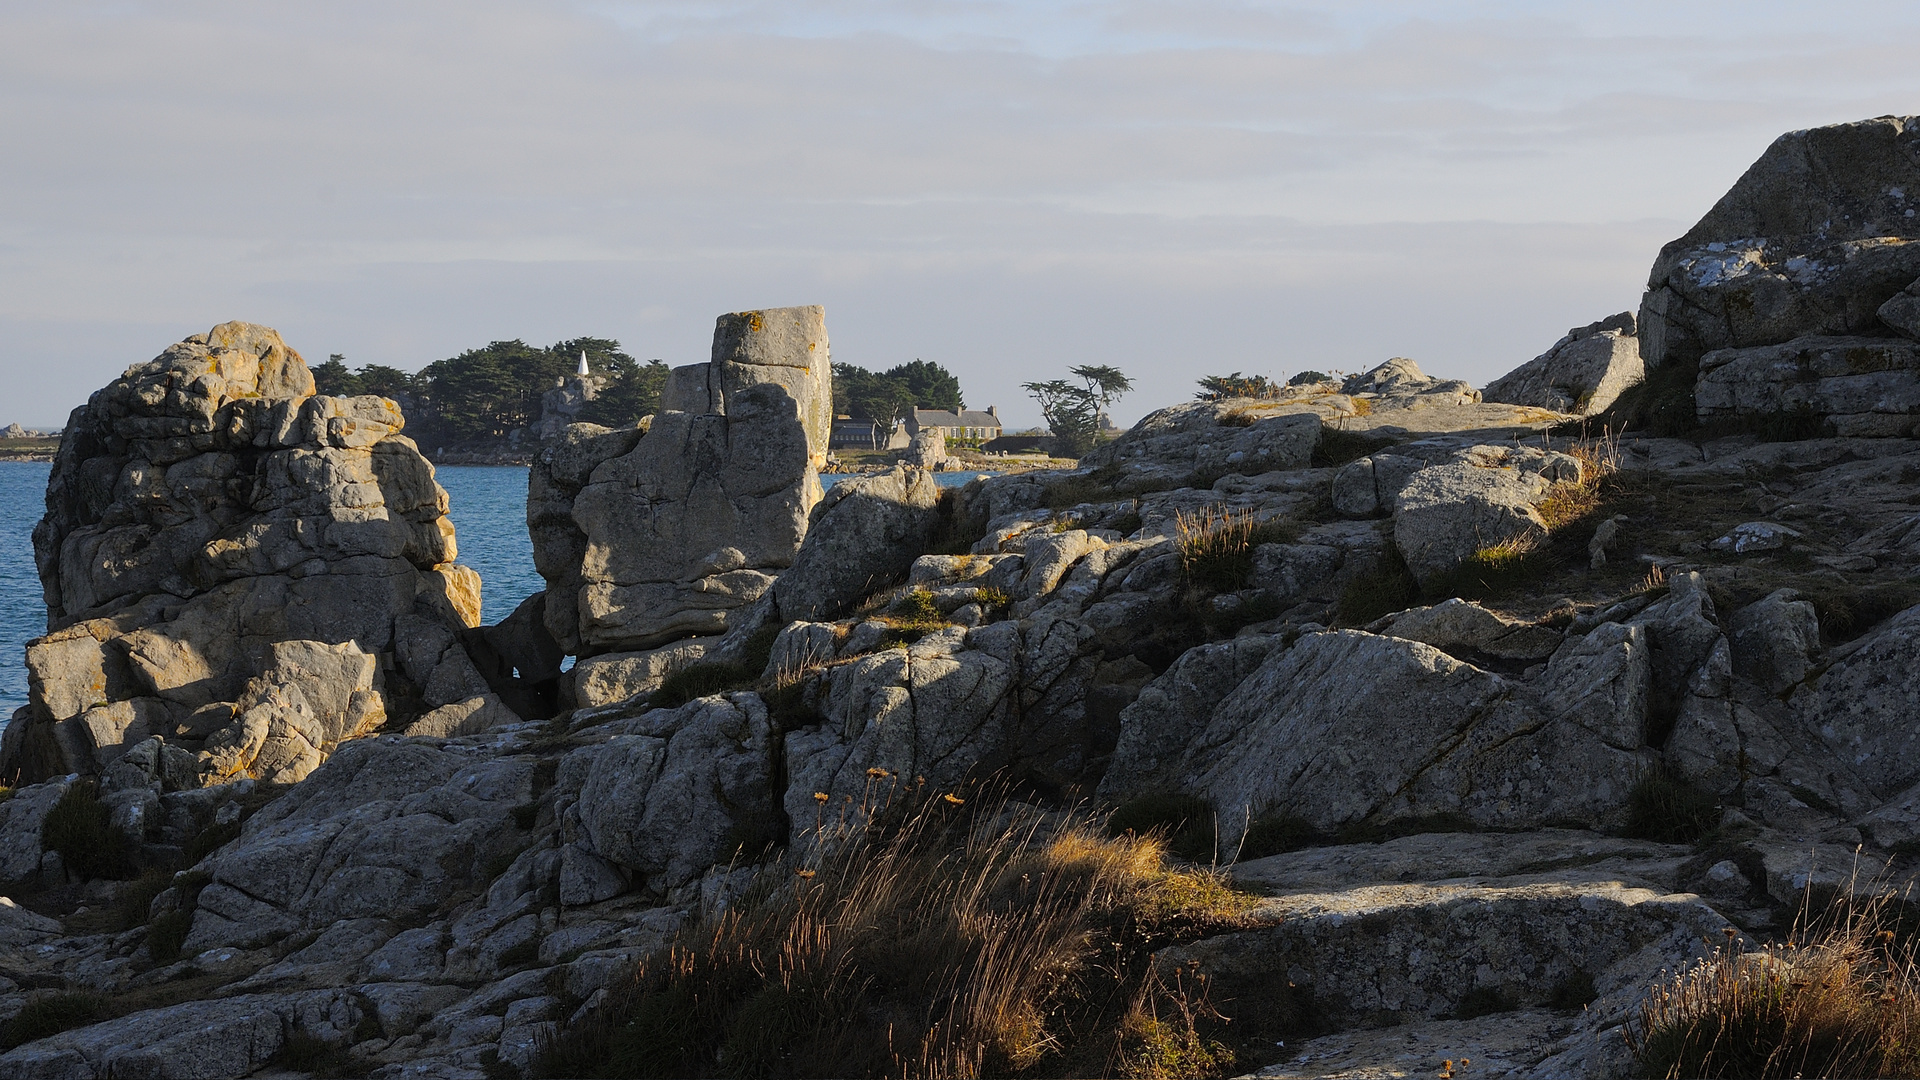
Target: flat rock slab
[(1416, 952), (1437, 857), (1500, 1044)]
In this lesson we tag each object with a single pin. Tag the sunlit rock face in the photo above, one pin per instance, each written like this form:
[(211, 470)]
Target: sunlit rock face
[(1815, 238), (668, 531), (207, 514)]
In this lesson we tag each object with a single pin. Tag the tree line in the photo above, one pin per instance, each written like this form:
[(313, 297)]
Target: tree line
[(484, 394)]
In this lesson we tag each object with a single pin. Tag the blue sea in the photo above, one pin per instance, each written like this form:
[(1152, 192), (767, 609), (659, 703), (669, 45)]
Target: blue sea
[(23, 611), (489, 509)]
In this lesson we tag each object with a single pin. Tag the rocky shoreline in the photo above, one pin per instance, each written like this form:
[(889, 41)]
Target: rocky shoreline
[(1489, 712)]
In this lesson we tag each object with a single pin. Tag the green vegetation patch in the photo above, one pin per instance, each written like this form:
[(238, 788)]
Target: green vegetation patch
[(53, 1014), (78, 828), (1664, 807)]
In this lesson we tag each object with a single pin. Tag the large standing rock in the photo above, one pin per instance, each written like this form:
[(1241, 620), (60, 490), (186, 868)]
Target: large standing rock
[(559, 544), (694, 523), (205, 509), (1582, 373), (785, 346), (864, 535), (669, 530), (1812, 239)]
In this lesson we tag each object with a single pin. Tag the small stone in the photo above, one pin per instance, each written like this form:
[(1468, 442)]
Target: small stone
[(1724, 879), (1755, 536)]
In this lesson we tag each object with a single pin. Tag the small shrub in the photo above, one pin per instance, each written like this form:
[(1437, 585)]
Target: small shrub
[(1485, 1001), (1496, 570), (1277, 834), (701, 680), (1152, 1047), (1572, 993), (1309, 378), (211, 839), (137, 898), (167, 933), (1839, 998), (1217, 546), (758, 648), (305, 1052), (525, 954), (1846, 612), (52, 1015), (1388, 587), (787, 702), (912, 616), (78, 828), (1338, 446), (1186, 823), (990, 597), (1569, 501), (1665, 808)]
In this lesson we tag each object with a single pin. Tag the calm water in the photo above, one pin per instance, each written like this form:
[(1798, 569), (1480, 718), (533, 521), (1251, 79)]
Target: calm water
[(489, 511), (489, 518), (23, 614)]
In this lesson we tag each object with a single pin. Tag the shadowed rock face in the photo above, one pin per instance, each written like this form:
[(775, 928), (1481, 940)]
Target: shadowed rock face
[(1814, 238), (205, 511)]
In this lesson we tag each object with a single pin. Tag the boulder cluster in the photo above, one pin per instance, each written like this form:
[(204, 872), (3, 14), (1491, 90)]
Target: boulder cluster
[(1454, 687), (238, 575)]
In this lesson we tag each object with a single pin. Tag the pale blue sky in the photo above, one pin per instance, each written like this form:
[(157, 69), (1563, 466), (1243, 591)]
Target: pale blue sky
[(1006, 188)]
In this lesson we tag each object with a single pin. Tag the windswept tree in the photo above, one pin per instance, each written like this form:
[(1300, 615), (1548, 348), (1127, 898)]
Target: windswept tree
[(1105, 385), (1076, 412)]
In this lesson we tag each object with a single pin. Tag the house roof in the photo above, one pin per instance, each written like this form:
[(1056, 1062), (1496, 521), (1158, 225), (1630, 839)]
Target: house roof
[(965, 418)]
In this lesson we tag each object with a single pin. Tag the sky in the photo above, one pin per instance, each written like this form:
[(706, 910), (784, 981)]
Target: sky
[(1008, 189)]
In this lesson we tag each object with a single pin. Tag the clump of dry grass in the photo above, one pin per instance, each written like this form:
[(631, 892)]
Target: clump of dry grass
[(1216, 545), (1570, 501), (956, 942), (1840, 997)]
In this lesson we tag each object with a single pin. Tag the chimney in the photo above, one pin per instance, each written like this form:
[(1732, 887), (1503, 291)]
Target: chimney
[(992, 412)]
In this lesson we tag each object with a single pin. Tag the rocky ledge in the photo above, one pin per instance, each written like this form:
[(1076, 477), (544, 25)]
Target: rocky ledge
[(1490, 723)]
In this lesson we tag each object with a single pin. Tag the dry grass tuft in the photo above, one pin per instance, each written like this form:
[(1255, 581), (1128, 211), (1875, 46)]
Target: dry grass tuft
[(1571, 501), (961, 941), (1840, 997), (1216, 545)]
